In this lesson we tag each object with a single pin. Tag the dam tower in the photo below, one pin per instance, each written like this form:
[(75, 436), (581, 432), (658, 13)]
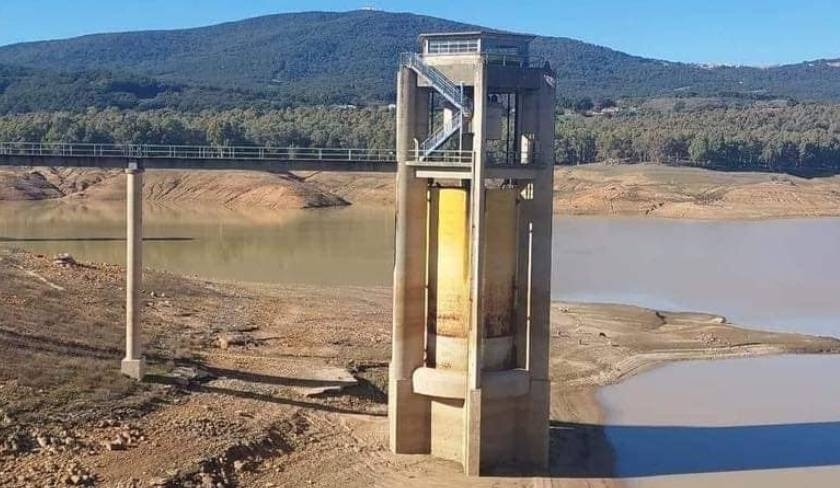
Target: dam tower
[(468, 378)]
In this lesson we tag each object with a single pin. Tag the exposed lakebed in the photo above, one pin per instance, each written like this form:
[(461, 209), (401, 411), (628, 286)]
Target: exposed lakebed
[(679, 425)]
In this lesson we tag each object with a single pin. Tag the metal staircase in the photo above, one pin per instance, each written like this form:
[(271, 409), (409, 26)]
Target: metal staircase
[(453, 94)]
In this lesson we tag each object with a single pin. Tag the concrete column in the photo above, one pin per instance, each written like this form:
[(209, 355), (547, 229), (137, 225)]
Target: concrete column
[(133, 365), (408, 413), (535, 435), (475, 339)]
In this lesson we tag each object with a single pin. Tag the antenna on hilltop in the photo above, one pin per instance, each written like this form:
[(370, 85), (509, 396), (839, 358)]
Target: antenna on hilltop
[(370, 8)]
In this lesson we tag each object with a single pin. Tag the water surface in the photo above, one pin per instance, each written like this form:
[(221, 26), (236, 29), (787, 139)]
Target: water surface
[(758, 422), (332, 246)]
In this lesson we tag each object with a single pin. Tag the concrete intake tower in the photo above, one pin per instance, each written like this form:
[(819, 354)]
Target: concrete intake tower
[(472, 276)]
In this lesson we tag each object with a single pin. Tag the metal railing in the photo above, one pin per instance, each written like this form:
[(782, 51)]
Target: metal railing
[(448, 157), (442, 84), (156, 151), (514, 60), (443, 133), (453, 93)]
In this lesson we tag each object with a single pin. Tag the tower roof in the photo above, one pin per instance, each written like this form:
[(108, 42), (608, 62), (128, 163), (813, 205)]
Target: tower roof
[(485, 34)]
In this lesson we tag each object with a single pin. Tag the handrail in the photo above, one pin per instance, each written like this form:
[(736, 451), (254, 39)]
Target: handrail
[(514, 60), (443, 133), (157, 151), (455, 156), (82, 150), (444, 85), (454, 94)]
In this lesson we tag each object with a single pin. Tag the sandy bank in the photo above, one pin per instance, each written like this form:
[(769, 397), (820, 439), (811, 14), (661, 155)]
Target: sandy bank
[(645, 190), (691, 193), (61, 339), (596, 189), (232, 189)]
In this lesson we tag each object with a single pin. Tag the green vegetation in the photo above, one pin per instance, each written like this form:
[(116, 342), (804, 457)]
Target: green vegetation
[(299, 127), (319, 58), (801, 138), (271, 81)]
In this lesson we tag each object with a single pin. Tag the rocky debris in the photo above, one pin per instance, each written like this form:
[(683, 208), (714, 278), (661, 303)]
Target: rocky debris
[(225, 341), (18, 442), (185, 376), (76, 475), (22, 440), (64, 260), (712, 340), (223, 470), (126, 438)]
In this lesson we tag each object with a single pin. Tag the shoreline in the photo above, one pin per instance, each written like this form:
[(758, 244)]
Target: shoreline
[(281, 330), (598, 189)]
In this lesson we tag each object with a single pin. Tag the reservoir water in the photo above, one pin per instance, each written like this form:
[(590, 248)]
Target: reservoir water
[(754, 422)]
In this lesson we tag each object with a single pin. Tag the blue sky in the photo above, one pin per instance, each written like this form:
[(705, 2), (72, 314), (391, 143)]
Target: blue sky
[(755, 32)]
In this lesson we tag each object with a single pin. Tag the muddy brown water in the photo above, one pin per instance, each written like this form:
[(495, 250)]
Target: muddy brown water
[(756, 422), (345, 246)]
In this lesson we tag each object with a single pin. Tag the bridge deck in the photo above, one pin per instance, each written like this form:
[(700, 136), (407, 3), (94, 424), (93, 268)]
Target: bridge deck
[(118, 156)]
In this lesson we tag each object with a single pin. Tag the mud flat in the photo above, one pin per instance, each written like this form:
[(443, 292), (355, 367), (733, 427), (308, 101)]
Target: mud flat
[(253, 384)]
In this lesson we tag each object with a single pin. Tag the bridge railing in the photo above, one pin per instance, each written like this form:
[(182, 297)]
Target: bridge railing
[(155, 151)]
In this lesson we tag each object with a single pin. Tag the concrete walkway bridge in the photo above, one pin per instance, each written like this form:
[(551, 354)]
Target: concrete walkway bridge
[(154, 156)]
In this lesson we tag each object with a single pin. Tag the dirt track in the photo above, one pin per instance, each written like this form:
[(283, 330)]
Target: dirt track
[(256, 421)]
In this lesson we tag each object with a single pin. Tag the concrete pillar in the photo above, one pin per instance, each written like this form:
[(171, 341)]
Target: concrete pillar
[(535, 434), (472, 403), (408, 413), (133, 365)]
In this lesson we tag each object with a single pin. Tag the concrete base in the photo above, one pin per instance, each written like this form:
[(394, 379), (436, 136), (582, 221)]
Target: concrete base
[(534, 430), (133, 368), (408, 418)]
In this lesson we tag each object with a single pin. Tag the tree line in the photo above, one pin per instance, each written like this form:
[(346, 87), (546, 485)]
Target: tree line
[(797, 138), (800, 138), (291, 127)]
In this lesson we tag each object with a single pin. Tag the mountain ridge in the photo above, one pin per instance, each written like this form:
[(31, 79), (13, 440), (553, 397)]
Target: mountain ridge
[(350, 57)]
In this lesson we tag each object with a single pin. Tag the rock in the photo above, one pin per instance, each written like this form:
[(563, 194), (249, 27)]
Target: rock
[(43, 441), (64, 260), (228, 340), (185, 375), (117, 445)]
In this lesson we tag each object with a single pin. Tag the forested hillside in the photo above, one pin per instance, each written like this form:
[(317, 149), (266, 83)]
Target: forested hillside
[(802, 139), (335, 58), (796, 138)]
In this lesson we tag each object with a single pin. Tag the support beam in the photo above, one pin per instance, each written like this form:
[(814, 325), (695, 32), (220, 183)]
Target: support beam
[(472, 405), (408, 412), (133, 365)]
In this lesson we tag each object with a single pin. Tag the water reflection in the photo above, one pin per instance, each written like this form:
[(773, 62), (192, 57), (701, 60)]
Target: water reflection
[(654, 450), (332, 247), (735, 415)]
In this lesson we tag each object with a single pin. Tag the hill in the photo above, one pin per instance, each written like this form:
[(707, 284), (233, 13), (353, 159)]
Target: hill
[(350, 57)]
